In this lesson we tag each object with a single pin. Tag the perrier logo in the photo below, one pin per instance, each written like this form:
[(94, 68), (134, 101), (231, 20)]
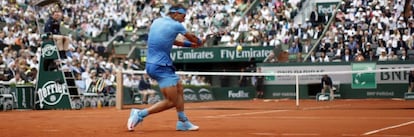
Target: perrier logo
[(51, 93), (48, 50)]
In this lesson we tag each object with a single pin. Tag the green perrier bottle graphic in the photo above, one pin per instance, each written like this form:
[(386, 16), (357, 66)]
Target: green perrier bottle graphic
[(363, 80)]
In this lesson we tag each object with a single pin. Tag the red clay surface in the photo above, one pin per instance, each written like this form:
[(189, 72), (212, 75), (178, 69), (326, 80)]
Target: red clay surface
[(373, 117)]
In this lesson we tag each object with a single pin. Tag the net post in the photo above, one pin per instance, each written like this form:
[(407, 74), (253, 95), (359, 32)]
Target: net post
[(297, 90), (119, 90)]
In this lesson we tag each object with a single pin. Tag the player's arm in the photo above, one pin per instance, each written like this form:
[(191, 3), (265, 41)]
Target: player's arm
[(194, 40), (186, 43)]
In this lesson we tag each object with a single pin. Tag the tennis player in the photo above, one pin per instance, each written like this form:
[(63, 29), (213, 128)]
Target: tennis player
[(159, 66)]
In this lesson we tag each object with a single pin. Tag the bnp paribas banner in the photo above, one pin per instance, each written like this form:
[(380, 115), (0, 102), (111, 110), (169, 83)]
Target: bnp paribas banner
[(363, 79), (285, 74), (225, 54)]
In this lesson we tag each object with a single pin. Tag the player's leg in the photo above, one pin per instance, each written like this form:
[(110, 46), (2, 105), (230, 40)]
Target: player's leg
[(331, 93), (183, 123), (180, 98), (66, 41), (170, 99), (410, 87), (59, 43), (261, 91), (167, 81), (257, 93), (258, 96), (261, 94), (323, 89), (65, 46)]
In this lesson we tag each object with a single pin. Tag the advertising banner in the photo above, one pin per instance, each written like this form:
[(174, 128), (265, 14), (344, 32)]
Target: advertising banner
[(303, 79), (363, 80), (198, 94), (326, 7), (222, 54), (234, 93), (51, 89), (346, 78)]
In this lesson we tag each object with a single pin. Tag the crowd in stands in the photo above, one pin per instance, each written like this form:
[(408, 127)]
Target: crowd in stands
[(266, 24), (362, 30), (368, 30), (20, 37)]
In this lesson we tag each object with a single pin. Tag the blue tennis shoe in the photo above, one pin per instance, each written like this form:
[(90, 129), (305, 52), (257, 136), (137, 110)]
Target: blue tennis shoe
[(134, 119), (186, 126)]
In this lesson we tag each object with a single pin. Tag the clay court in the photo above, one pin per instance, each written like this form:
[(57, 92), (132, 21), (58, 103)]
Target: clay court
[(253, 118)]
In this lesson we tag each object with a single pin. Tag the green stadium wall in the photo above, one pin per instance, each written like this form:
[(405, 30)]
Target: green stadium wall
[(350, 86)]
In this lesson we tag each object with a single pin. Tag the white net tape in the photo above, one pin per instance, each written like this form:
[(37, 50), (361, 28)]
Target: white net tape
[(296, 75)]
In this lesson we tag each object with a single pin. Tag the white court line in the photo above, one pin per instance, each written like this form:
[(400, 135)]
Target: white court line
[(395, 136), (318, 117), (286, 134), (249, 113), (324, 107), (386, 128), (349, 135), (263, 134), (271, 111)]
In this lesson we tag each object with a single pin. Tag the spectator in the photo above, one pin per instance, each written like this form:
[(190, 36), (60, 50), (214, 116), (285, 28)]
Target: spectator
[(366, 49), (307, 46), (2, 42), (313, 58), (371, 56), (326, 83), (232, 43), (323, 58), (81, 84), (381, 48), (15, 80), (145, 89), (109, 87), (392, 56), (383, 56), (130, 82), (340, 16), (89, 76), (271, 58), (359, 57), (3, 66), (314, 17), (347, 57), (404, 55)]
